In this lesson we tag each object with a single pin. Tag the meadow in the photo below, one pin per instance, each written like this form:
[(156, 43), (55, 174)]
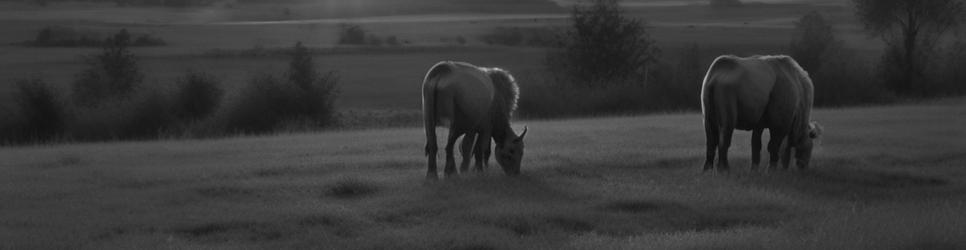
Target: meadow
[(886, 177), (883, 178)]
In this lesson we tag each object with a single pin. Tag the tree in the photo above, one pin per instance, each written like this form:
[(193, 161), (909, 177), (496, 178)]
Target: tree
[(112, 73), (911, 29), (812, 41), (603, 47), (316, 91)]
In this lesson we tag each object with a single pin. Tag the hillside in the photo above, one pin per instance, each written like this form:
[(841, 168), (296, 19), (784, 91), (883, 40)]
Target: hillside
[(884, 177)]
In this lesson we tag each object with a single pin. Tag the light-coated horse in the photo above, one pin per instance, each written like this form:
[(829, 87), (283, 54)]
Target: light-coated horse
[(756, 93), (476, 102)]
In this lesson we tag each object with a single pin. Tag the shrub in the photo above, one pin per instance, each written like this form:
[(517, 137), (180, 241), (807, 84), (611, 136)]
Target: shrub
[(43, 115), (112, 74), (603, 47), (352, 34), (261, 105), (148, 40), (198, 96), (392, 41), (268, 101), (151, 115)]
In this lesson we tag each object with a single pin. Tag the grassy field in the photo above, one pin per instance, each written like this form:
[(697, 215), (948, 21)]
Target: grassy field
[(883, 178)]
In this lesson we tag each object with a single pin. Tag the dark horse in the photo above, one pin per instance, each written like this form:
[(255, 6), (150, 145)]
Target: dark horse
[(476, 102), (756, 93)]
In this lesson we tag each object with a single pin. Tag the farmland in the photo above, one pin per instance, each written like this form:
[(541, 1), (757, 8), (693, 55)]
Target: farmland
[(372, 78)]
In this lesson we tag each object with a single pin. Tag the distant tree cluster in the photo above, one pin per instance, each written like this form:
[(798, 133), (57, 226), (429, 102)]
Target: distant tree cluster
[(57, 36), (603, 47), (812, 41), (111, 101), (912, 31), (354, 34)]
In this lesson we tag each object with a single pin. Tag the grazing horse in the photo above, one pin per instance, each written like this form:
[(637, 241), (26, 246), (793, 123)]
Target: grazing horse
[(756, 93), (478, 103)]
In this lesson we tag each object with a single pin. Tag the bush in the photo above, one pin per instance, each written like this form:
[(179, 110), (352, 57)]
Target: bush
[(198, 96), (603, 47), (151, 116), (392, 41), (267, 102), (351, 34), (42, 114), (261, 105), (112, 74)]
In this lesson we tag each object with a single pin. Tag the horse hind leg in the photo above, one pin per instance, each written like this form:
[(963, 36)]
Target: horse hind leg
[(725, 143), (450, 168), (431, 151), (756, 148), (466, 150), (711, 133)]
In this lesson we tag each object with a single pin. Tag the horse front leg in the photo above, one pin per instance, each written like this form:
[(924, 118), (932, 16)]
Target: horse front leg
[(482, 151)]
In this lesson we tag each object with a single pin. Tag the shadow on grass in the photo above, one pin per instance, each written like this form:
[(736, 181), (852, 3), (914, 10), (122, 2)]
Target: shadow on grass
[(844, 181)]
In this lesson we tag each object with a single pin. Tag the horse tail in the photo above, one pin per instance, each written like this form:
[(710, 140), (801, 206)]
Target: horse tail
[(707, 88), (430, 89)]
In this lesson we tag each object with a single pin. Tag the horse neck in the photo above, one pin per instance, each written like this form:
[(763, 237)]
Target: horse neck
[(501, 126)]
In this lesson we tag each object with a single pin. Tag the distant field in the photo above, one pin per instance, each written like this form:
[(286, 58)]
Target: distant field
[(883, 178), (376, 80)]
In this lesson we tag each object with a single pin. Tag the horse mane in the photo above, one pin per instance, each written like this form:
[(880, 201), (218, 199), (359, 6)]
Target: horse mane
[(507, 91)]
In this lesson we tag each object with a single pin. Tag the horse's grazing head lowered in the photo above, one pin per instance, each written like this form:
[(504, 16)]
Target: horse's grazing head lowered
[(803, 153), (509, 153)]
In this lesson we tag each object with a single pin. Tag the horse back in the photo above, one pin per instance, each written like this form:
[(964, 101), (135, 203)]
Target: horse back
[(463, 95)]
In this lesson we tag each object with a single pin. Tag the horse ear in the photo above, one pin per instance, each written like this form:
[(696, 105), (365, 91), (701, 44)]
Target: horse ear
[(814, 130), (519, 139)]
